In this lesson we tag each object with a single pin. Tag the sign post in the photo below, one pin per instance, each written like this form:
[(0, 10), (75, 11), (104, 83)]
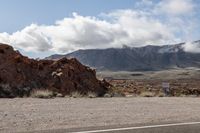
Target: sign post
[(166, 88)]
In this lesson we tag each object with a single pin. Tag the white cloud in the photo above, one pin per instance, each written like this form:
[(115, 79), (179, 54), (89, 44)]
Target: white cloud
[(141, 28), (126, 27), (30, 38), (180, 15), (82, 32), (175, 7), (192, 47), (130, 27)]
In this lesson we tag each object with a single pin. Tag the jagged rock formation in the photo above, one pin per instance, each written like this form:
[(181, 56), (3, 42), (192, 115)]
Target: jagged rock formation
[(132, 59), (20, 75)]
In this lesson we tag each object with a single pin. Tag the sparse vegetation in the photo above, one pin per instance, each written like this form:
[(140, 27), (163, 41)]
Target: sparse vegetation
[(147, 94), (58, 94), (42, 94), (6, 91), (115, 92), (5, 86), (77, 94), (160, 94), (91, 94), (184, 73), (107, 95)]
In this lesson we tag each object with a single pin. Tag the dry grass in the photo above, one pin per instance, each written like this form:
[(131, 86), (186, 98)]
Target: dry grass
[(161, 94), (147, 94), (76, 94), (59, 95), (91, 94), (42, 94)]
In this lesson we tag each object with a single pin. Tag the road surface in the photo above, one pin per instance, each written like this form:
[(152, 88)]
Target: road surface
[(189, 127), (82, 114)]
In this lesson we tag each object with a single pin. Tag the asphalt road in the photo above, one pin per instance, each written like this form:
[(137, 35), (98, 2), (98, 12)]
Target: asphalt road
[(192, 127)]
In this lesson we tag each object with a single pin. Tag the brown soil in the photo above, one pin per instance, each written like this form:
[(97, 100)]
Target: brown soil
[(178, 87)]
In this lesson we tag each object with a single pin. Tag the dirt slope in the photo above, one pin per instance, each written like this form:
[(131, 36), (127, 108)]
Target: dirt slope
[(19, 75)]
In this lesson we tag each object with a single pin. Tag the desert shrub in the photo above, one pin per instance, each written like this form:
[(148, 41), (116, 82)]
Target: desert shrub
[(107, 95), (184, 73), (118, 94), (42, 94), (160, 94), (5, 91), (147, 94), (92, 94), (67, 96), (183, 95), (114, 91), (5, 86), (76, 94), (59, 95)]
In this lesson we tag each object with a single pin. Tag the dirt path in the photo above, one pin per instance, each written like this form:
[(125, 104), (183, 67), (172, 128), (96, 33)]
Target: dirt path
[(39, 114)]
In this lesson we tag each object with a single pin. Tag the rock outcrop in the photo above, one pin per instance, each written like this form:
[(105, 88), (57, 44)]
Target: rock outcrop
[(19, 75)]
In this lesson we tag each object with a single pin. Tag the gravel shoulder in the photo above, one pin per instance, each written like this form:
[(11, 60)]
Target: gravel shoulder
[(29, 114)]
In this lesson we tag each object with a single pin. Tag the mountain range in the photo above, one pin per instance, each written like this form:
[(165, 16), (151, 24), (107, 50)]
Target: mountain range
[(136, 58)]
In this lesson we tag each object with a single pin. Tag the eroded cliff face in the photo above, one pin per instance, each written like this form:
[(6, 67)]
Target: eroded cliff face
[(20, 75)]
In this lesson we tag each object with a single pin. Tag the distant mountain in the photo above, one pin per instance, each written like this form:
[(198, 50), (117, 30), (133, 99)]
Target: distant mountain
[(131, 58)]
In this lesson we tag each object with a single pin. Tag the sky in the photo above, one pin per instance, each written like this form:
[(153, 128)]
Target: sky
[(39, 28)]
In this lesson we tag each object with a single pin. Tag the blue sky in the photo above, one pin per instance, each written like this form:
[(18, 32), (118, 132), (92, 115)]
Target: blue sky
[(16, 14), (39, 28)]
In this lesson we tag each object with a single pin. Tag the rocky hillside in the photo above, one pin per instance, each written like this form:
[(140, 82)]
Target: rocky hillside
[(20, 75), (142, 58)]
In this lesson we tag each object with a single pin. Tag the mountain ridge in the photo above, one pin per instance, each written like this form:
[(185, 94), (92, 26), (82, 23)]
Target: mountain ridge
[(136, 58)]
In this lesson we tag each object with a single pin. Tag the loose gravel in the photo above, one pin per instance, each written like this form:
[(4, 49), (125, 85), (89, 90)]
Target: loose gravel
[(29, 114)]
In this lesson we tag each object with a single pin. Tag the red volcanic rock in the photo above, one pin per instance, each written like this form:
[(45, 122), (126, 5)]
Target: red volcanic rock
[(19, 75)]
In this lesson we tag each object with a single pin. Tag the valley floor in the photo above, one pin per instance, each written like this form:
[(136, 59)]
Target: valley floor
[(182, 82)]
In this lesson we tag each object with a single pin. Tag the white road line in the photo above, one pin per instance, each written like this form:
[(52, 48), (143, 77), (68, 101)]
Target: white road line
[(141, 127)]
